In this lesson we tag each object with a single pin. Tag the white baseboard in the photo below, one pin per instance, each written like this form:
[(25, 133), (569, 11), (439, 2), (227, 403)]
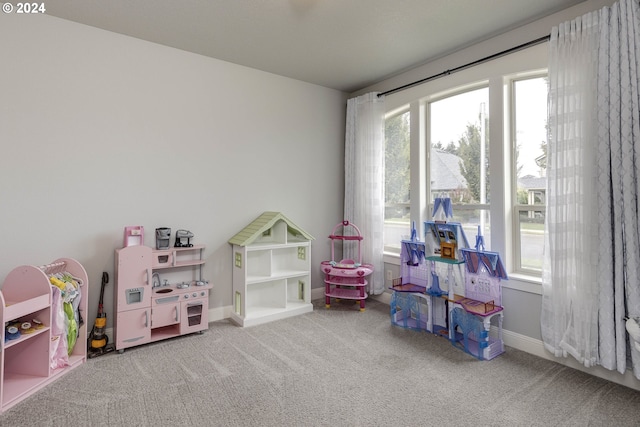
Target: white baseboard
[(384, 298), (536, 347), (317, 293), (219, 313)]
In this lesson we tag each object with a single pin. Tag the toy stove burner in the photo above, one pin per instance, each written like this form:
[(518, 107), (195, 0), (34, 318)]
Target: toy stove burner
[(182, 285)]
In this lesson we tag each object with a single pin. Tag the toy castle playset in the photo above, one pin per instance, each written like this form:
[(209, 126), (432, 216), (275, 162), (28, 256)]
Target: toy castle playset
[(449, 288)]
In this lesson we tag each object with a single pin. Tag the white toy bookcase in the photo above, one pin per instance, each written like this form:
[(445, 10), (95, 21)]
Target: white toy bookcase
[(271, 270)]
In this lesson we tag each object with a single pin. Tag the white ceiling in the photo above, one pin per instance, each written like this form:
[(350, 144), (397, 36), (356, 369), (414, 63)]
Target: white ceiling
[(340, 44)]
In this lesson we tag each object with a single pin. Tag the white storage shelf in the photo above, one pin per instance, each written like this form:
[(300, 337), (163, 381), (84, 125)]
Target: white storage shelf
[(270, 294), (272, 271), (297, 288), (274, 263), (252, 280), (277, 268), (258, 266)]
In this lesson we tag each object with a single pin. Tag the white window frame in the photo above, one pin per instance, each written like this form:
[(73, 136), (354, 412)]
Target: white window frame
[(497, 74), (518, 208), (391, 250), (435, 98)]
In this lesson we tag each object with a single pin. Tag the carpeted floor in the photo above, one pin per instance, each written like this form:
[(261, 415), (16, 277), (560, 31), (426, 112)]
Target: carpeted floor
[(336, 367)]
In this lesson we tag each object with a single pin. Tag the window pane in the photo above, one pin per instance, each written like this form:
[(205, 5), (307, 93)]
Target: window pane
[(530, 139), (530, 105), (459, 147), (531, 227), (459, 165), (397, 174), (470, 220)]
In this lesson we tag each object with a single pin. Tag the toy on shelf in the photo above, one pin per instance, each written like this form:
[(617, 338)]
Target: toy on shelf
[(183, 234), (346, 279), (133, 235)]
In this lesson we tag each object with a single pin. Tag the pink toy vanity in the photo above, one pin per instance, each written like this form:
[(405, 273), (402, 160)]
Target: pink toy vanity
[(346, 279)]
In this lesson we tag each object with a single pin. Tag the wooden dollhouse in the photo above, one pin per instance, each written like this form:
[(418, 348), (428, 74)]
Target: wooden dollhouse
[(271, 270)]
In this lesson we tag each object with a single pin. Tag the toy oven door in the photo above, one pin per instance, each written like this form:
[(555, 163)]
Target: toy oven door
[(194, 315)]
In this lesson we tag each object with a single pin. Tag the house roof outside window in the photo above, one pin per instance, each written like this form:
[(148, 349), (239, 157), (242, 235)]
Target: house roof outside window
[(445, 172)]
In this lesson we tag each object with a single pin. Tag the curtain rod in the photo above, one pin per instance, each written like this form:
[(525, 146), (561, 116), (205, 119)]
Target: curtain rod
[(470, 64)]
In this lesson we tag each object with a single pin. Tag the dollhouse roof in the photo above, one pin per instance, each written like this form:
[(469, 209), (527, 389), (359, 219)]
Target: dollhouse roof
[(264, 222), (490, 262)]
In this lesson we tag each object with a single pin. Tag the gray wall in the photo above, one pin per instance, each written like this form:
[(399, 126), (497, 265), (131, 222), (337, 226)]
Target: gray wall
[(99, 131)]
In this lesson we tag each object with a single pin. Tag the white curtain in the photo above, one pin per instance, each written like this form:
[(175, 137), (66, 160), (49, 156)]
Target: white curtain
[(364, 182), (591, 279)]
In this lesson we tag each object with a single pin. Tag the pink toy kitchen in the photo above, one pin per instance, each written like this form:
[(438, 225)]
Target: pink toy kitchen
[(160, 293)]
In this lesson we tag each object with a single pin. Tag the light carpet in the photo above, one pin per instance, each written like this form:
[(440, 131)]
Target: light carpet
[(335, 367)]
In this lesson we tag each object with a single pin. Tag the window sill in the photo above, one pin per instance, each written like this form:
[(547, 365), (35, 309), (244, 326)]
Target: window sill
[(391, 258), (524, 283)]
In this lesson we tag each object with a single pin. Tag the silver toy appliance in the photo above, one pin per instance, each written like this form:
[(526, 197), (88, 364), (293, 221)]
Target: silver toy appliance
[(183, 234), (163, 235)]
